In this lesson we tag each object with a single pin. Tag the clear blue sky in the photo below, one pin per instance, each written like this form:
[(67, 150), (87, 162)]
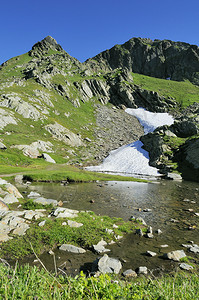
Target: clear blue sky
[(84, 28)]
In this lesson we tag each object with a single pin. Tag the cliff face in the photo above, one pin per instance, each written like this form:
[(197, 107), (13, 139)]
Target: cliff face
[(161, 59)]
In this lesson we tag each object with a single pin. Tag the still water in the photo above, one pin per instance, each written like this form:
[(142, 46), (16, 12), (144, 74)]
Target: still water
[(167, 200)]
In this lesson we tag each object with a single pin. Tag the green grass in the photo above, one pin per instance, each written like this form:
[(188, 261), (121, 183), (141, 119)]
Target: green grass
[(53, 234), (185, 93), (73, 174), (31, 283)]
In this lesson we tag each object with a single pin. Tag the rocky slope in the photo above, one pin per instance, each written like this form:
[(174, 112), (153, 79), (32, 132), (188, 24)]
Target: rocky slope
[(176, 146), (161, 59), (52, 103)]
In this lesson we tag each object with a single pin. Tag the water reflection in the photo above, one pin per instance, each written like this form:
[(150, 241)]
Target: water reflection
[(170, 205)]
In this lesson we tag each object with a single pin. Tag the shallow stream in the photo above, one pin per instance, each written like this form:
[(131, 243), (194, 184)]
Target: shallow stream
[(167, 200)]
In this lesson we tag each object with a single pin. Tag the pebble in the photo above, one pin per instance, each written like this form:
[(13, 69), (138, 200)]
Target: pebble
[(150, 253), (129, 273), (159, 231), (142, 270)]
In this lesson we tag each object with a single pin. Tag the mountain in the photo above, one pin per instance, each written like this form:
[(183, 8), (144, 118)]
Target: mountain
[(161, 59), (50, 103)]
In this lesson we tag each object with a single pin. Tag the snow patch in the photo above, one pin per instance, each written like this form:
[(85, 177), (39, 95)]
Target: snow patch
[(131, 159)]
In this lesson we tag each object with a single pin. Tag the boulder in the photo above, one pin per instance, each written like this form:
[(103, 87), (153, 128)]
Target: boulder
[(142, 270), (62, 212), (9, 198), (25, 109), (2, 146), (109, 265), (3, 206), (99, 248), (63, 134), (186, 267), (129, 273), (4, 237), (13, 190), (150, 253), (48, 158), (175, 255), (71, 248), (6, 118), (21, 229), (44, 201), (33, 195)]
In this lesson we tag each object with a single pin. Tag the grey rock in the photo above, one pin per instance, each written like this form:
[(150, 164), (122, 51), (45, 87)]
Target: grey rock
[(48, 158), (109, 265), (149, 235), (175, 255), (19, 179), (2, 146), (142, 270), (2, 181), (149, 229), (194, 249), (185, 266), (174, 176), (30, 214), (159, 231), (21, 229), (4, 237), (129, 273), (8, 199), (33, 195), (99, 248), (13, 190), (63, 134), (71, 248), (14, 102), (33, 149), (6, 118), (44, 201), (42, 223), (62, 212), (74, 224), (150, 253), (3, 206)]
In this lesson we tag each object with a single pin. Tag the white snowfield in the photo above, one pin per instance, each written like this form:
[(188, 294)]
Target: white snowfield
[(131, 159)]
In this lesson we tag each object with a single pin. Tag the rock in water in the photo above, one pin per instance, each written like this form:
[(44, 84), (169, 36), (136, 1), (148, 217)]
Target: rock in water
[(109, 265), (175, 255), (71, 248)]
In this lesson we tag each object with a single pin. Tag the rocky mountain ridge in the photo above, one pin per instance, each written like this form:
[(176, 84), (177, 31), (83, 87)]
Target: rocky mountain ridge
[(162, 59), (48, 96)]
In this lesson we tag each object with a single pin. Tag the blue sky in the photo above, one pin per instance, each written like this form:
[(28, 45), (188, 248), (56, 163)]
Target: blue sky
[(84, 28)]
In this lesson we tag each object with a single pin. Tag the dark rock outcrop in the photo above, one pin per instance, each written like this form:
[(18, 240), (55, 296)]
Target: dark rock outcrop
[(161, 59), (188, 159)]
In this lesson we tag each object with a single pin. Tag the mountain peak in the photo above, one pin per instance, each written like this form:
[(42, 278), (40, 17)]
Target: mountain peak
[(44, 46)]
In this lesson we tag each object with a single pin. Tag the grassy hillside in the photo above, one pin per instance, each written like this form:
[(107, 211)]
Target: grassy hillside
[(184, 92)]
